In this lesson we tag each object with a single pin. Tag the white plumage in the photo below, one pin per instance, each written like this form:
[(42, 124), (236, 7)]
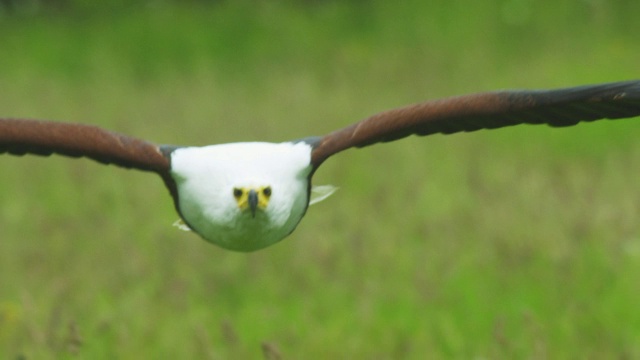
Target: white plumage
[(207, 176)]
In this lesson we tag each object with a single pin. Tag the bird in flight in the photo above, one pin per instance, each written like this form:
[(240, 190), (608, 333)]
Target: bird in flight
[(249, 195)]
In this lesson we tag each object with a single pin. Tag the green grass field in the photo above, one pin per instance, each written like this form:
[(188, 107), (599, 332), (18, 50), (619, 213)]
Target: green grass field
[(517, 243)]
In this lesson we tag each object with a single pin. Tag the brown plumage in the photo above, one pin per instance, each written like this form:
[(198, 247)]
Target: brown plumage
[(39, 137), (22, 136), (561, 107)]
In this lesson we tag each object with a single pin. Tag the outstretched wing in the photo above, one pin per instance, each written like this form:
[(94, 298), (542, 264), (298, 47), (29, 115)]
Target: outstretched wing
[(559, 107), (39, 137), (21, 136)]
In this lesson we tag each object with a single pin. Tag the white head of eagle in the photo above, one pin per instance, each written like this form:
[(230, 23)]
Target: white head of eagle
[(243, 196)]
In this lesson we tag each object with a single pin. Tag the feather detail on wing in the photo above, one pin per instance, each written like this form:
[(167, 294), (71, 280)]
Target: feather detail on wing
[(21, 136), (559, 107)]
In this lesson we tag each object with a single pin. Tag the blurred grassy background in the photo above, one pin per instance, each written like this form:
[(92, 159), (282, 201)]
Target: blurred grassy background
[(518, 243)]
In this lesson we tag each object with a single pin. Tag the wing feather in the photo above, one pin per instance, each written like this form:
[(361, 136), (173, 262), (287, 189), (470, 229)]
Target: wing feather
[(492, 110), (39, 137)]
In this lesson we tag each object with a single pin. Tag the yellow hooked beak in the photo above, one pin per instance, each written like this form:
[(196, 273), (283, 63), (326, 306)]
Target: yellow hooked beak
[(252, 198)]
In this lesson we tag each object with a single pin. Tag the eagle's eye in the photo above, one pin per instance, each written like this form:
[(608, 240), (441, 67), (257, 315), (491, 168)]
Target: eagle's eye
[(237, 192), (267, 191)]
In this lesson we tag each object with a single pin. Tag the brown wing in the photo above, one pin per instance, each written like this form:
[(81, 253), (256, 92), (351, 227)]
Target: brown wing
[(20, 136), (560, 107)]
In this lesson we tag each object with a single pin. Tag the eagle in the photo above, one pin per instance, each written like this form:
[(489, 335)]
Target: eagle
[(246, 196)]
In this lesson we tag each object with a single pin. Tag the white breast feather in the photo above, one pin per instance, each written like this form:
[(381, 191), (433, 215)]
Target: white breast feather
[(206, 177)]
